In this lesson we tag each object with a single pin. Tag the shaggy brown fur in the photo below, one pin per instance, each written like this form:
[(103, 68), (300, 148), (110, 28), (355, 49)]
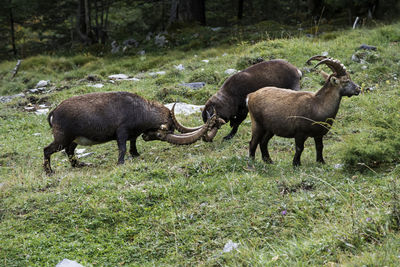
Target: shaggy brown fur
[(101, 117), (229, 102)]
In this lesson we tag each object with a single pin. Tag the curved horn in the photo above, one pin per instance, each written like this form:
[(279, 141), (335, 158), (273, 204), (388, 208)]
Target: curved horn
[(319, 58), (334, 65), (180, 127), (213, 132), (210, 135), (186, 138)]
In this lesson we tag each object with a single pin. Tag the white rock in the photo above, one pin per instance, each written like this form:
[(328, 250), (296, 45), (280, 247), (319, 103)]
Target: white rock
[(84, 155), (160, 40), (36, 134), (37, 90), (338, 166), (230, 71), (42, 83), (325, 54), (215, 29), (364, 67), (230, 246), (224, 54), (97, 85), (80, 150), (42, 111), (206, 60), (68, 263), (152, 74), (185, 109), (118, 76), (6, 99), (179, 67), (29, 108), (194, 85)]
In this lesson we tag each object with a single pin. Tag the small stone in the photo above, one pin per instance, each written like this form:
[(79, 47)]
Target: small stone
[(97, 85), (194, 85), (42, 83), (29, 108), (355, 58), (118, 76), (6, 99), (367, 47), (80, 150), (179, 67), (338, 166), (205, 60), (325, 54), (215, 29), (229, 246), (152, 74), (230, 71), (68, 263), (185, 109), (84, 155), (42, 111)]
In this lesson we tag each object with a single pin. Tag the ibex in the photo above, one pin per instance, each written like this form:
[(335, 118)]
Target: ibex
[(101, 117), (298, 115), (230, 100)]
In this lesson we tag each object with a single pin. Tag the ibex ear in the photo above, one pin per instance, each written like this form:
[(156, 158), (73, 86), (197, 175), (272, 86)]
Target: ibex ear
[(324, 75), (334, 80)]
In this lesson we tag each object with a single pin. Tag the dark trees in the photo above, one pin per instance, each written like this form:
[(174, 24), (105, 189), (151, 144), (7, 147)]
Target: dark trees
[(92, 20), (188, 11)]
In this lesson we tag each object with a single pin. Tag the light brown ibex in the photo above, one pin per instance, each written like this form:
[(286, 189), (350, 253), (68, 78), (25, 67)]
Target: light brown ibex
[(298, 115)]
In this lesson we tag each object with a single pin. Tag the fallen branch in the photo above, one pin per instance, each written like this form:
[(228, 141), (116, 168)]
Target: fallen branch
[(15, 70)]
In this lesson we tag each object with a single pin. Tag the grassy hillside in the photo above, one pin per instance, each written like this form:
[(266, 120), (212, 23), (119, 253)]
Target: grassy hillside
[(181, 205)]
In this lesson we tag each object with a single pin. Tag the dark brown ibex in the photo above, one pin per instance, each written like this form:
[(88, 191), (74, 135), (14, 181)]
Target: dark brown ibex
[(230, 100), (298, 115), (101, 117)]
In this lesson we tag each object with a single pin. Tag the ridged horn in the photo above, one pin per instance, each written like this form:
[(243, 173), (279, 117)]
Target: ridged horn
[(180, 127), (334, 65), (187, 138), (210, 135), (213, 132), (319, 58)]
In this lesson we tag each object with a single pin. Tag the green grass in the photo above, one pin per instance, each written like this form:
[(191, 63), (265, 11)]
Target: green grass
[(180, 205)]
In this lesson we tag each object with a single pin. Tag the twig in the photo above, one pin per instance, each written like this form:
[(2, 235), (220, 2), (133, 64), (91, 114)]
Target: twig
[(368, 167), (355, 23), (319, 20), (16, 68), (320, 123), (325, 182)]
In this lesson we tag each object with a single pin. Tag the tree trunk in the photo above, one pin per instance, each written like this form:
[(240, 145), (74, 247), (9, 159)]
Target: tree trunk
[(12, 31), (96, 19), (188, 11), (240, 10), (173, 17), (87, 19)]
